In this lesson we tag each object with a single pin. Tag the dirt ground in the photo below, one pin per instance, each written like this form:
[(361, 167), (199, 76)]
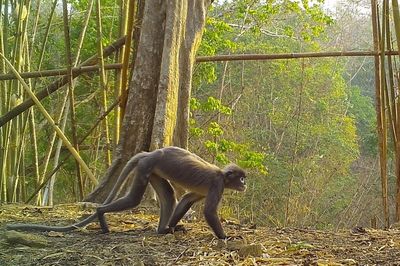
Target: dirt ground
[(133, 241)]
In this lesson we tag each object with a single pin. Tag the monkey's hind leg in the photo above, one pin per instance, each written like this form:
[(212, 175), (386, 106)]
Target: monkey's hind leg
[(167, 201), (183, 206), (130, 200)]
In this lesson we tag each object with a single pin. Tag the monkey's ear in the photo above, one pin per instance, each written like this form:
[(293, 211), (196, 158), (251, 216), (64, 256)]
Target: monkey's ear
[(229, 172)]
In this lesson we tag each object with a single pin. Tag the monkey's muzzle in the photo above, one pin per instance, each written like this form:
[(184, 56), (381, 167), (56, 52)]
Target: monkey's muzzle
[(242, 188)]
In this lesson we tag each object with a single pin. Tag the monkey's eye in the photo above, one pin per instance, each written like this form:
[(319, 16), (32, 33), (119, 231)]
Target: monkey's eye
[(242, 180)]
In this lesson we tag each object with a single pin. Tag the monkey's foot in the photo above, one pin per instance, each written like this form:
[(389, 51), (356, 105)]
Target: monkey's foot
[(105, 230), (103, 222), (171, 230), (180, 228)]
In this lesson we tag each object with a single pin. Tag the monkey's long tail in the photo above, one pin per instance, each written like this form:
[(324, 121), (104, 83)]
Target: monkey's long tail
[(43, 228)]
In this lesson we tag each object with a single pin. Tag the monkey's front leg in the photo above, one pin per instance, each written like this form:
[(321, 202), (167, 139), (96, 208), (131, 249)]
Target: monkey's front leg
[(213, 221), (103, 222), (210, 209), (183, 206), (180, 210)]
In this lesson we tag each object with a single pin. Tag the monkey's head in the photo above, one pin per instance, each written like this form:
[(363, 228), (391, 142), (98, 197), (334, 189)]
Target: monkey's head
[(234, 177)]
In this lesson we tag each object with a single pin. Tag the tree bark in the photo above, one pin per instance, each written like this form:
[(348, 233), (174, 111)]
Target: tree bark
[(157, 111)]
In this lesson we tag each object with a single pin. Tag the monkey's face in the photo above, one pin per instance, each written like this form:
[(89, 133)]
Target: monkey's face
[(235, 178), (240, 184)]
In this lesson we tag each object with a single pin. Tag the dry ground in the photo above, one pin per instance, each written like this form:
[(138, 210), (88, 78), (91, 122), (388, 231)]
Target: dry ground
[(133, 241)]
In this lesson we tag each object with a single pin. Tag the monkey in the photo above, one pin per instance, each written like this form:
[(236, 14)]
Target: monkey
[(201, 179)]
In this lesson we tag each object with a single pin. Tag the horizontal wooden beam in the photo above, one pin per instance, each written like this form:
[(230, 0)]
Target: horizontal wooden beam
[(60, 72), (247, 57), (199, 59)]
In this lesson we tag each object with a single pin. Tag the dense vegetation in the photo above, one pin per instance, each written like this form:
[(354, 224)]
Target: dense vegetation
[(303, 128), (313, 129)]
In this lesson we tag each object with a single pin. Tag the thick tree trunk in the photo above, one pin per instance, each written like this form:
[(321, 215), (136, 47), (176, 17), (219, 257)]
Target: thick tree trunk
[(158, 103)]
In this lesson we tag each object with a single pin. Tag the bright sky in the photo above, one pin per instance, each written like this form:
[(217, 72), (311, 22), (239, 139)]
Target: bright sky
[(330, 4)]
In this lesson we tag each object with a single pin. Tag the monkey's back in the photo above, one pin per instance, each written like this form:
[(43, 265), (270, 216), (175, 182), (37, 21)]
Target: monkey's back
[(187, 169)]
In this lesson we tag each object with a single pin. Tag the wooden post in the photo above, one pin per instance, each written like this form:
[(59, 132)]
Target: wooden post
[(380, 113)]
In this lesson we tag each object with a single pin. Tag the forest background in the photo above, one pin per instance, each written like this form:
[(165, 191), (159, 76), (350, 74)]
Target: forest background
[(305, 129)]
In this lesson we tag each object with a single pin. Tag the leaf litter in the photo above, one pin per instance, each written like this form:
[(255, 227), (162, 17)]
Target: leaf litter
[(133, 241)]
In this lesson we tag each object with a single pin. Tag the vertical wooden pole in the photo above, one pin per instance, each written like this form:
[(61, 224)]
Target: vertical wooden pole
[(395, 102), (79, 194), (380, 111), (103, 79), (125, 57)]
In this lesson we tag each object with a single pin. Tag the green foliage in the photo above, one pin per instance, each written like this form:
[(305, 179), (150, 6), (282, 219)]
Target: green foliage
[(215, 38), (215, 130), (363, 110), (212, 104), (214, 141), (291, 116)]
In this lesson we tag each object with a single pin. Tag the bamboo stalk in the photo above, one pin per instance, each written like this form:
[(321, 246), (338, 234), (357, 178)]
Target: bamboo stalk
[(15, 88), (30, 118), (33, 141), (5, 105), (49, 153), (378, 89), (389, 88), (396, 19), (19, 161), (51, 122), (390, 101), (103, 80), (123, 10), (2, 65), (35, 25), (6, 27), (46, 34), (383, 95), (396, 113), (81, 39), (125, 58), (72, 97), (5, 166)]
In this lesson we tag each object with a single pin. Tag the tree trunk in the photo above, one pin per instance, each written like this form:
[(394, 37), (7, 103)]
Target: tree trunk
[(158, 102)]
